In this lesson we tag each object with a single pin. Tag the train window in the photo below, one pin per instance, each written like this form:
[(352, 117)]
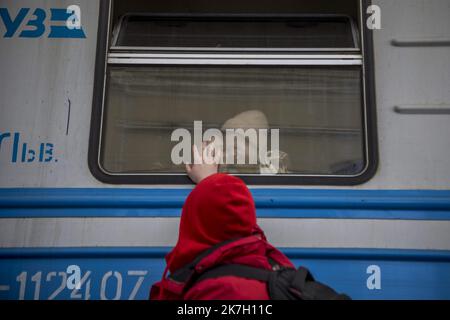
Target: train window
[(318, 132), (225, 32), (293, 89)]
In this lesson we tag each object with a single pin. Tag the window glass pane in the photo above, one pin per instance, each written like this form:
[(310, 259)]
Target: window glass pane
[(332, 32), (317, 109)]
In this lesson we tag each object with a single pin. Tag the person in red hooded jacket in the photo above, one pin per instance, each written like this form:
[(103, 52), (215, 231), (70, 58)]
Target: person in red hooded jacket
[(218, 209)]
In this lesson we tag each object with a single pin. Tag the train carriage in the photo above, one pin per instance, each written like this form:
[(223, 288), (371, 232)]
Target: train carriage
[(353, 95)]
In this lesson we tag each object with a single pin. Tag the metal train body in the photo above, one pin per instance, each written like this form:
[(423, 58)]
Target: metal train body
[(385, 238)]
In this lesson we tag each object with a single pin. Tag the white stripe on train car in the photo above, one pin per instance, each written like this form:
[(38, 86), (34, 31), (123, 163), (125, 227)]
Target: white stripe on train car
[(287, 233)]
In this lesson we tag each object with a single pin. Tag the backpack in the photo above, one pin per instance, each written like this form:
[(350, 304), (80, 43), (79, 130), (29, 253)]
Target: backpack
[(283, 283)]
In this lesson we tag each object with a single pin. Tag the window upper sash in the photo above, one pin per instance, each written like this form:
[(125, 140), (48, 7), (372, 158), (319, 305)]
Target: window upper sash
[(236, 33)]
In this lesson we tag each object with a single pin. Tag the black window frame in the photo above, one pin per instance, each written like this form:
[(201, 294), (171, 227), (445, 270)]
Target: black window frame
[(370, 143)]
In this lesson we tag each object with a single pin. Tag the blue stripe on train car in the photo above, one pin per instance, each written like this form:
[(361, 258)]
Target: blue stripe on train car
[(279, 203), (127, 273)]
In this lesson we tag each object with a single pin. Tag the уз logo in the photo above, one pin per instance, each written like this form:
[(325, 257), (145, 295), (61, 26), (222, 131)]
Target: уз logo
[(65, 23)]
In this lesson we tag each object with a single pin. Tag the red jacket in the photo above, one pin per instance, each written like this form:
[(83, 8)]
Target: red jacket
[(220, 208)]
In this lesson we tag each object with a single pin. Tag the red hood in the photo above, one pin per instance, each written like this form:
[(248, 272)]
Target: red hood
[(220, 208)]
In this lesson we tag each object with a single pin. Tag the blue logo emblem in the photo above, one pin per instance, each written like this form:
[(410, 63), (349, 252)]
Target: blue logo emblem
[(64, 23)]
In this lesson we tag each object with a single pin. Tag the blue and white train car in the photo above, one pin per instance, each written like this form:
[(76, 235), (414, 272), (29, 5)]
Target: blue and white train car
[(92, 90)]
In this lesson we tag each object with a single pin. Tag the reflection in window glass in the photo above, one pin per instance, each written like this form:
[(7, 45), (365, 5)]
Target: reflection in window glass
[(317, 109)]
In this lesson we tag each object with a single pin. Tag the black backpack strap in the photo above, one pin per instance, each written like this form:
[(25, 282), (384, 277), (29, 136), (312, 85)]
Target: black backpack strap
[(284, 284), (236, 270), (184, 274)]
